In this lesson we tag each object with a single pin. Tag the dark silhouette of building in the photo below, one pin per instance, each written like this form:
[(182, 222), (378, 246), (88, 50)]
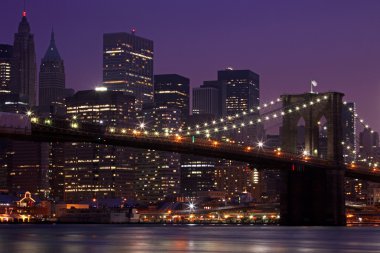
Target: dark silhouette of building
[(172, 91), (128, 65), (52, 78), (6, 52), (206, 100), (23, 75), (197, 175)]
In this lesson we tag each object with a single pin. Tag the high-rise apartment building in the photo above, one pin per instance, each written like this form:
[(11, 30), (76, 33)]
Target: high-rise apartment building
[(52, 77), (172, 91), (5, 67), (128, 65), (24, 72)]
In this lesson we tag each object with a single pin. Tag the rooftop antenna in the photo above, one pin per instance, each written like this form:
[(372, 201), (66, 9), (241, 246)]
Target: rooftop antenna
[(133, 31)]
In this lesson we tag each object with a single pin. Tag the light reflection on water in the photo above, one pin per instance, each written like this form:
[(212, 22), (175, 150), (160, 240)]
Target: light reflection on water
[(210, 239)]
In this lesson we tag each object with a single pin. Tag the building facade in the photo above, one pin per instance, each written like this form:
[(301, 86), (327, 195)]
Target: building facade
[(6, 52), (128, 65), (158, 173), (51, 78), (241, 89), (24, 73), (206, 101), (95, 171), (172, 91)]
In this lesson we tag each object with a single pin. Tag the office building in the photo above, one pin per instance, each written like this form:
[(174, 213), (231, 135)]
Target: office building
[(23, 75), (172, 91), (349, 131), (206, 101), (28, 168), (241, 89), (51, 78), (128, 65), (6, 52), (197, 175), (94, 170), (158, 173)]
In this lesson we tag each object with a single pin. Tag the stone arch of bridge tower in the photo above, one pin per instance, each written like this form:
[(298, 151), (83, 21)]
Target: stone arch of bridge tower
[(330, 108)]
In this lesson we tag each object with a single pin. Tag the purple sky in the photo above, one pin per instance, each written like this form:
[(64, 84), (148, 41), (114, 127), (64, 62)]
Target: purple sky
[(288, 42)]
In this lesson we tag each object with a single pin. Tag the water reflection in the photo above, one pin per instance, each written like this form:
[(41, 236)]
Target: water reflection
[(142, 239)]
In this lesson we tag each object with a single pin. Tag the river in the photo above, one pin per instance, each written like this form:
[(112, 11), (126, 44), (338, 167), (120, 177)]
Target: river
[(75, 238)]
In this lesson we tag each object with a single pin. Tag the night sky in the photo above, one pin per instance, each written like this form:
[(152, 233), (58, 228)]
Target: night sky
[(288, 42)]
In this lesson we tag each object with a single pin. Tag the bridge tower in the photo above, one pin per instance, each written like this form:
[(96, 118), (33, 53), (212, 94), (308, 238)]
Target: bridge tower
[(313, 195)]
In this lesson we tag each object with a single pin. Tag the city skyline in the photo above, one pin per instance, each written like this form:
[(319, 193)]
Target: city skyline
[(324, 41), (273, 139)]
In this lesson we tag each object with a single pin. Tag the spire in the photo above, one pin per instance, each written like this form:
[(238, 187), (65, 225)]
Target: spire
[(24, 26), (24, 10), (52, 40), (52, 53)]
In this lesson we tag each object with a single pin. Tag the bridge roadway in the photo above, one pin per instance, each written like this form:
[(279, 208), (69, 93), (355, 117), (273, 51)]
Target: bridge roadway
[(259, 157)]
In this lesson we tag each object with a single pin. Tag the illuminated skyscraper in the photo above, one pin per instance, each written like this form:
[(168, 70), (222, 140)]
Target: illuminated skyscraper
[(95, 170), (5, 67), (241, 89), (172, 91), (158, 173), (128, 65), (52, 77), (23, 76)]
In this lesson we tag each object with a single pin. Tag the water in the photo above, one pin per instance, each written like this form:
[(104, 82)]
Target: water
[(185, 238)]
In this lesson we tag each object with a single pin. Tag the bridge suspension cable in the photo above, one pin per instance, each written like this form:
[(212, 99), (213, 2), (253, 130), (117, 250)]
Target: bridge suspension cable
[(271, 115)]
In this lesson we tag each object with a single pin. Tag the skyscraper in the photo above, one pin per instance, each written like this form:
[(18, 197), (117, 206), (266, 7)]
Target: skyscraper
[(5, 67), (23, 76), (206, 101), (158, 173), (128, 65), (241, 89), (172, 91), (52, 77), (95, 170), (349, 131)]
